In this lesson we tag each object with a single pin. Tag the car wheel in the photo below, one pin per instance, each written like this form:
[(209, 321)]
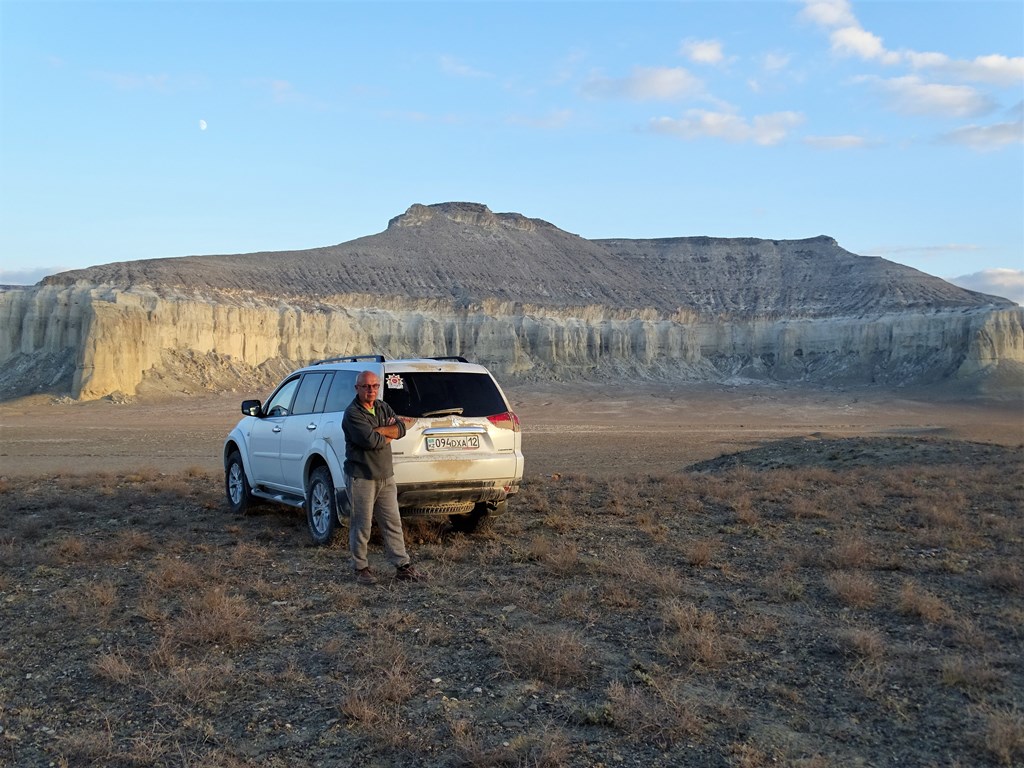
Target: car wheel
[(321, 506), (236, 484)]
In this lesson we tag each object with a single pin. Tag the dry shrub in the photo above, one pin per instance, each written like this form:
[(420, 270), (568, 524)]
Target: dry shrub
[(851, 551), (114, 666), (784, 585), (752, 756), (94, 603), (548, 748), (865, 490), (745, 510), (866, 643), (198, 683), (942, 512), (806, 509), (532, 499), (8, 550), (362, 705), (699, 553), (246, 553), (380, 659), (692, 634), (759, 625), (1004, 735), (70, 549), (653, 714), (538, 548), (650, 522), (618, 596), (971, 675), (656, 579), (1004, 575), (553, 656), (622, 493), (128, 544), (855, 589), (563, 559), (172, 575), (914, 600), (215, 617), (90, 746)]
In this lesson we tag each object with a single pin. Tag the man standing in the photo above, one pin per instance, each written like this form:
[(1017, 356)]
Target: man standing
[(370, 425)]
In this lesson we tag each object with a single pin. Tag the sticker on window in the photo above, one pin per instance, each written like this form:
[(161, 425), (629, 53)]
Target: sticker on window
[(394, 381)]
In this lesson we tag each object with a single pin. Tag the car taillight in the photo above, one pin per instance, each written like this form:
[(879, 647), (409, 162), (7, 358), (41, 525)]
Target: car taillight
[(507, 420)]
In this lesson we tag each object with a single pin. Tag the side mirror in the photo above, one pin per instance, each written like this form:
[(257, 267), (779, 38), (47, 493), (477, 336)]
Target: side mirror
[(251, 407)]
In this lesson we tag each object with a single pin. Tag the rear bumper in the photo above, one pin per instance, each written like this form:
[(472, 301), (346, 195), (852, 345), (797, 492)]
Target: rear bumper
[(438, 499)]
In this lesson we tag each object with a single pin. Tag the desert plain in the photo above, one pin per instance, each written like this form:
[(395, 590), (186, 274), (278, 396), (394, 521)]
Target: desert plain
[(700, 575), (601, 429)]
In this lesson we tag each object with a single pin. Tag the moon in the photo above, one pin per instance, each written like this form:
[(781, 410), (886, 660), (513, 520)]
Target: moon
[(202, 125)]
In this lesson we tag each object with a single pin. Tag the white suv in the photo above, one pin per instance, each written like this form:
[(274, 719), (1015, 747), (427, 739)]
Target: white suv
[(461, 456)]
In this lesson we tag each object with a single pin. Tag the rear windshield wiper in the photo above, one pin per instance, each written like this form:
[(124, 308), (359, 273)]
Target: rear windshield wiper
[(445, 412)]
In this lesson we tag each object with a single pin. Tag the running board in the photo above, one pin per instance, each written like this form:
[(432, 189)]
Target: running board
[(280, 498)]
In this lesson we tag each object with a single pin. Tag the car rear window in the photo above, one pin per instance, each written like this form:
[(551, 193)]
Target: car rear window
[(418, 394)]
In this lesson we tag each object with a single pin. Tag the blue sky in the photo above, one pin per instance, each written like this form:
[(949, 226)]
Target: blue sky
[(137, 130)]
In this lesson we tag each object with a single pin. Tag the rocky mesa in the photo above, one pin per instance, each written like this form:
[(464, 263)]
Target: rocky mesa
[(518, 294)]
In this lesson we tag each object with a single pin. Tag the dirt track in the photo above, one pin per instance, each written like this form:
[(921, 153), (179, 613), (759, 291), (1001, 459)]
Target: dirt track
[(591, 430)]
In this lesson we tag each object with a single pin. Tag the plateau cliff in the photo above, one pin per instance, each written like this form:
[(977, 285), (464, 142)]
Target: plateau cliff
[(520, 295)]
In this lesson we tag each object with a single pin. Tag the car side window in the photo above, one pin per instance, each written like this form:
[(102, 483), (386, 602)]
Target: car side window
[(281, 402), (343, 390), (321, 397), (305, 399)]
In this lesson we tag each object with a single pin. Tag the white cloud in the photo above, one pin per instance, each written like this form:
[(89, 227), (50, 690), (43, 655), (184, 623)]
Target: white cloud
[(987, 137), (775, 61), (1007, 283), (647, 84), (854, 41), (911, 95), (836, 142), (703, 51), (849, 38), (828, 13), (995, 69), (765, 130)]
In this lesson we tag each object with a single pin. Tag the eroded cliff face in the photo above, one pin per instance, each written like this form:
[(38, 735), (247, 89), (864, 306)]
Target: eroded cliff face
[(521, 295), (94, 341)]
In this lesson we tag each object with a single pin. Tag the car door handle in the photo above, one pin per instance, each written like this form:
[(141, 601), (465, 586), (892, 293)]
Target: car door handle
[(276, 429), (311, 426)]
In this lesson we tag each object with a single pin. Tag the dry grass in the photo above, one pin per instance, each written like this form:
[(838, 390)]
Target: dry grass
[(558, 657), (855, 589), (915, 600), (743, 616)]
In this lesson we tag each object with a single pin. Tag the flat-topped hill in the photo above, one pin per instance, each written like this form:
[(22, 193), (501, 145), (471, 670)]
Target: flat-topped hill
[(465, 253), (520, 295)]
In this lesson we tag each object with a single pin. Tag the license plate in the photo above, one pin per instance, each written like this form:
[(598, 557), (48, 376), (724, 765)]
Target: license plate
[(453, 443)]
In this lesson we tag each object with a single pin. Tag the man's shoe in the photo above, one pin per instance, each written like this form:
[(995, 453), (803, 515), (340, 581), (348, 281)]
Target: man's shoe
[(365, 576), (408, 573)]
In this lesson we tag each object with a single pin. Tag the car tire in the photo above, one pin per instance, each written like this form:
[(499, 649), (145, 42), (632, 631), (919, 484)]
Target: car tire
[(236, 485), (321, 506)]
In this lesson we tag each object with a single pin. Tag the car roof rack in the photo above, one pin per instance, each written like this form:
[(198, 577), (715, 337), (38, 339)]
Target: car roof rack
[(350, 359), (453, 358)]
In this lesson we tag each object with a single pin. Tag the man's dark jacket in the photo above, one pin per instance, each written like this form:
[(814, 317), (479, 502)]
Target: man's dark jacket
[(367, 453)]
